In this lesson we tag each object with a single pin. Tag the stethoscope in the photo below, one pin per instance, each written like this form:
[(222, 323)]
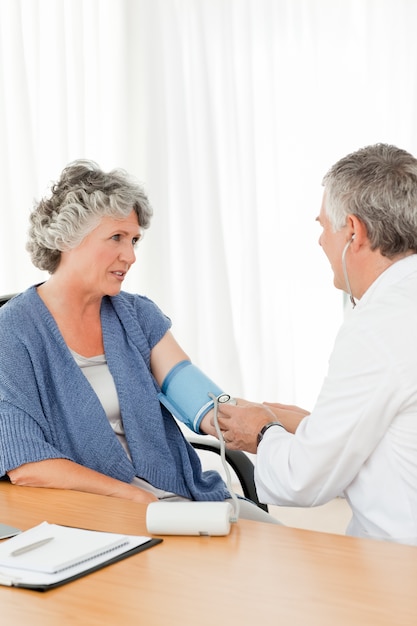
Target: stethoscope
[(352, 299), (225, 398)]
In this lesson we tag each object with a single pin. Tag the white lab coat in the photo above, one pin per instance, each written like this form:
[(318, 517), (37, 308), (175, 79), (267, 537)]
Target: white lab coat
[(360, 440)]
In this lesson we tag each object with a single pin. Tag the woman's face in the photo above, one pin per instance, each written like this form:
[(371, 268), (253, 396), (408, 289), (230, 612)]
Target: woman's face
[(103, 258)]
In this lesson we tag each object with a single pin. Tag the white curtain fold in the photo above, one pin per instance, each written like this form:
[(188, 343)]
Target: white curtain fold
[(230, 112)]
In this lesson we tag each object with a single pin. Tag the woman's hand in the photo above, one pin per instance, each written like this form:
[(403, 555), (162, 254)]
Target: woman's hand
[(142, 496)]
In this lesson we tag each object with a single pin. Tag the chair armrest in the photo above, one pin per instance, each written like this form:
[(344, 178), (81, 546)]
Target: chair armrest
[(239, 462)]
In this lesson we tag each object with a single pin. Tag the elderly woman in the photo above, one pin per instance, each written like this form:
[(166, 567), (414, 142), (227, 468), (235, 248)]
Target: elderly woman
[(82, 362)]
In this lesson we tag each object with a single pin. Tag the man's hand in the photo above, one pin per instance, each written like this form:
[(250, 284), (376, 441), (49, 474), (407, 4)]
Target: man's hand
[(289, 415), (241, 424)]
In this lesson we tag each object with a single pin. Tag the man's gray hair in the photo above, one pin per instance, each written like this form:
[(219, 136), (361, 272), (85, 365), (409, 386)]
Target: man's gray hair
[(377, 184)]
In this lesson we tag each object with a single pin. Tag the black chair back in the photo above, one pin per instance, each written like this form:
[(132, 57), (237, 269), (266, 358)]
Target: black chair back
[(4, 299)]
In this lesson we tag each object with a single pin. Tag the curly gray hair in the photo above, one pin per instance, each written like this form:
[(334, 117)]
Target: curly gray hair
[(79, 199), (378, 184)]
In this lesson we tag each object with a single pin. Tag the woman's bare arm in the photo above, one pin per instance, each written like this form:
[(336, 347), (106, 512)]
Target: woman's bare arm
[(164, 356), (65, 474)]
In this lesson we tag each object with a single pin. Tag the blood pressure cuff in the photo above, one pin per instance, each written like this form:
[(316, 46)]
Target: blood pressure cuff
[(184, 393)]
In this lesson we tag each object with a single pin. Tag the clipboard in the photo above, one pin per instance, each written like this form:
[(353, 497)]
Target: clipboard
[(38, 558)]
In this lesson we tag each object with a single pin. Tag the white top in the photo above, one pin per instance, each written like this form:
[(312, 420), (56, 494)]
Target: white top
[(361, 437)]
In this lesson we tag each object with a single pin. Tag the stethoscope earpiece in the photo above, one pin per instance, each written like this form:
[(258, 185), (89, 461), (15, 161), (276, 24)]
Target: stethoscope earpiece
[(352, 299)]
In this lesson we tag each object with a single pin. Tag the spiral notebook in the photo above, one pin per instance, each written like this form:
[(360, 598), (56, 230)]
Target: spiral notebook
[(49, 555)]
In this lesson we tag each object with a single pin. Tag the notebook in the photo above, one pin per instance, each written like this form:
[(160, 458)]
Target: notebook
[(48, 555)]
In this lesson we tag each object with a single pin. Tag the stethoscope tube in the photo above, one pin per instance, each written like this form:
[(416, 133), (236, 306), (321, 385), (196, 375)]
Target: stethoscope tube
[(352, 299)]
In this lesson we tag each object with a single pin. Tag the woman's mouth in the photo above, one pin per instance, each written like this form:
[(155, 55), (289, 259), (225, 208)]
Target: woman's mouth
[(119, 275)]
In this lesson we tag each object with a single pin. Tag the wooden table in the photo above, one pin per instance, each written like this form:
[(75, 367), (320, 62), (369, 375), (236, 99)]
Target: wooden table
[(259, 574)]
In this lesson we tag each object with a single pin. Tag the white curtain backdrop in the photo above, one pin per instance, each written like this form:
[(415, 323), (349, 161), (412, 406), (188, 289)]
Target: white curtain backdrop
[(230, 112)]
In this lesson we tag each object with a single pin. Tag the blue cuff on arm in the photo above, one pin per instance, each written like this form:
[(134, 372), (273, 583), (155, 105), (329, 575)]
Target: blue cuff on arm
[(184, 393)]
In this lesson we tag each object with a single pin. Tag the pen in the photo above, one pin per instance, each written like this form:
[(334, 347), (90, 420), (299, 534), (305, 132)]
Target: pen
[(31, 546)]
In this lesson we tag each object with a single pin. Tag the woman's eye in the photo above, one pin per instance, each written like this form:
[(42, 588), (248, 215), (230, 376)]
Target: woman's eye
[(116, 237)]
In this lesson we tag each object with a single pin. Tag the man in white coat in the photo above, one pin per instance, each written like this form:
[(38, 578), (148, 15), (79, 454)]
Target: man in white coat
[(360, 439)]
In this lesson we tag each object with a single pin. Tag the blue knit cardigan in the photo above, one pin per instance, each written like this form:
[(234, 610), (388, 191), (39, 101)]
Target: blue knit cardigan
[(49, 410)]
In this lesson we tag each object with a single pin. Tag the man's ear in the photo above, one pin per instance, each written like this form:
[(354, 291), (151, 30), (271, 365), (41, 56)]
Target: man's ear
[(357, 229)]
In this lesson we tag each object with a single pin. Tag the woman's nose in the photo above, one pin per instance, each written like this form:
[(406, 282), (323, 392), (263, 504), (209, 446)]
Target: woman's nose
[(128, 254)]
